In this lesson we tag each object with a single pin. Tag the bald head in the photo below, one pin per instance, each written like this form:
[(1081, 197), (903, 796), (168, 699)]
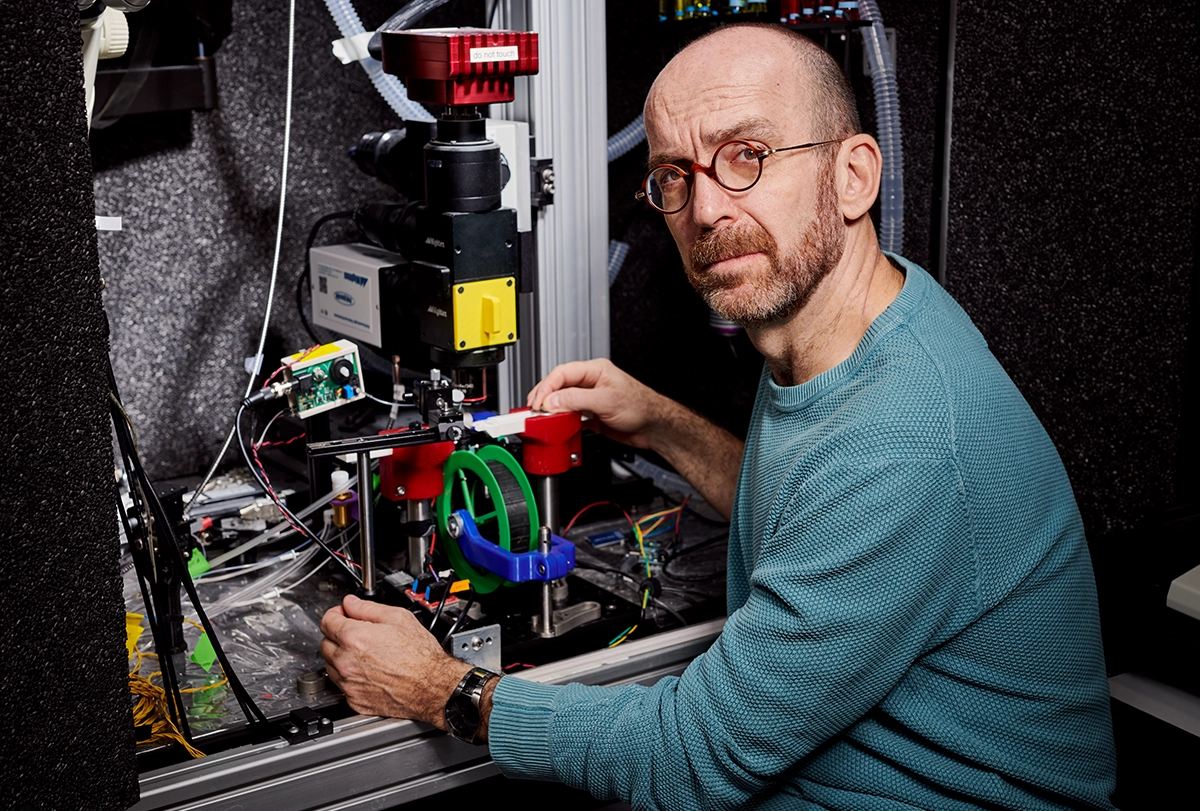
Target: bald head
[(814, 82)]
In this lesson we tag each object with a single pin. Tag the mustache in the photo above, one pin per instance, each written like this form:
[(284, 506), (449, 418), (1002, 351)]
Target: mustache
[(716, 246)]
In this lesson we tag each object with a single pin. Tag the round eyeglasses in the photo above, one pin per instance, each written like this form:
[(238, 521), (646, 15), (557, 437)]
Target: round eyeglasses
[(736, 166)]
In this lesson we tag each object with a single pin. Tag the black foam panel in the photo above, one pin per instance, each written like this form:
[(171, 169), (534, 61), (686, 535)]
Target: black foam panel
[(67, 737), (1072, 218)]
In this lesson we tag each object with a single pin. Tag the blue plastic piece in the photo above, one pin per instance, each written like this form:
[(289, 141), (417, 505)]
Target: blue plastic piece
[(348, 391), (606, 538), (517, 567)]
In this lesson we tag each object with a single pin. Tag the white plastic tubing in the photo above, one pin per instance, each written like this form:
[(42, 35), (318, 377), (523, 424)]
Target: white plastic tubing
[(389, 86), (887, 115)]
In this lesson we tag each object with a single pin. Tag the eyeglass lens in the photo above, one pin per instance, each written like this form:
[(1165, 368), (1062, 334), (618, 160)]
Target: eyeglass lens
[(736, 166)]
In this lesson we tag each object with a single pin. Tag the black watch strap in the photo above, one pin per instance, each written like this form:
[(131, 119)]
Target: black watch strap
[(462, 715)]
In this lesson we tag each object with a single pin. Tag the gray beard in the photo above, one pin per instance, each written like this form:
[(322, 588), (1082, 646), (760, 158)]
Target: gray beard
[(793, 277)]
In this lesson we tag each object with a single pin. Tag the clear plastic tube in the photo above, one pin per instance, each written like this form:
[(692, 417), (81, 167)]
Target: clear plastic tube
[(887, 120), (630, 136), (391, 88), (617, 252)]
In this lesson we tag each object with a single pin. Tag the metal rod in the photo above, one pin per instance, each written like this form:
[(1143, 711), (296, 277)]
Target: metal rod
[(418, 510), (547, 629), (365, 524), (547, 498)]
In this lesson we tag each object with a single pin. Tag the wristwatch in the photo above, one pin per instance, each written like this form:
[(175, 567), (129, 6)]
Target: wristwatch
[(462, 715)]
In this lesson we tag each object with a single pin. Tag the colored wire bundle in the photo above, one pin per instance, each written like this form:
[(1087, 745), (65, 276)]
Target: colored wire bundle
[(150, 708)]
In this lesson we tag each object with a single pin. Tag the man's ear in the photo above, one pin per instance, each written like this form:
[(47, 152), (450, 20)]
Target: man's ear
[(859, 166)]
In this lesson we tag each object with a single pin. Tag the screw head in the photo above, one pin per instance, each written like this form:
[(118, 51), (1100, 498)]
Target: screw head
[(400, 490), (462, 289), (477, 643), (574, 458)]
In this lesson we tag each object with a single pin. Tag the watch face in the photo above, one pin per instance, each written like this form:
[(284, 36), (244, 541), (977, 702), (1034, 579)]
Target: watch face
[(462, 718)]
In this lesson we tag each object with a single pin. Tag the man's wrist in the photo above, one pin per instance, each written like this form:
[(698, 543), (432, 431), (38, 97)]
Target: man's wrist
[(485, 707), (447, 677)]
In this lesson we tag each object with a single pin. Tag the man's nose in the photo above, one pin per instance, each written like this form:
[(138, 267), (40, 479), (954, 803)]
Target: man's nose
[(711, 202)]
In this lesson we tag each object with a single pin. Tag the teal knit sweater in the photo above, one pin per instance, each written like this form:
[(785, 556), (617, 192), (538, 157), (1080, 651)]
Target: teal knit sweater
[(912, 612)]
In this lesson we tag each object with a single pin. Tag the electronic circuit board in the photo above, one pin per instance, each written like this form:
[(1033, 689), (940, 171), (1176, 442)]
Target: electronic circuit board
[(327, 377)]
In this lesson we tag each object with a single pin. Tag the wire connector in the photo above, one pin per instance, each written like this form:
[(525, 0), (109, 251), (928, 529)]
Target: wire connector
[(271, 392)]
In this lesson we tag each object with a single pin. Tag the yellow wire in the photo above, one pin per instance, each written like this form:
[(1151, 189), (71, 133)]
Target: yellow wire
[(150, 707)]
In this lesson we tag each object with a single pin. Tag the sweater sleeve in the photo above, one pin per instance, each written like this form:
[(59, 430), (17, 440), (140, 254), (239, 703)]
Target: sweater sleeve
[(868, 567)]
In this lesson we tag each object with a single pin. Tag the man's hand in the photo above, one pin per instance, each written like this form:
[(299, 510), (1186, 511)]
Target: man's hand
[(387, 663), (627, 411), (706, 455)]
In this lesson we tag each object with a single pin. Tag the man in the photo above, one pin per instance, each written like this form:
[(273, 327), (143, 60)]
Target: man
[(912, 615)]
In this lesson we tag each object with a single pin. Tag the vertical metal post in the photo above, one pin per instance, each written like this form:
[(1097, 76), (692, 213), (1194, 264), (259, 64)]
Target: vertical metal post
[(567, 110), (547, 629), (418, 510), (547, 498), (366, 535)]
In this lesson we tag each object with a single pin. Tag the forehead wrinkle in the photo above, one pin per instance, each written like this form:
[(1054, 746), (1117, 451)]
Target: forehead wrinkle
[(755, 128)]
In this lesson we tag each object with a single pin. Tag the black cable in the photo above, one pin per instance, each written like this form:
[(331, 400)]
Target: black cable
[(306, 274), (687, 550), (666, 569), (462, 615), (437, 615), (678, 617), (296, 523), (143, 494)]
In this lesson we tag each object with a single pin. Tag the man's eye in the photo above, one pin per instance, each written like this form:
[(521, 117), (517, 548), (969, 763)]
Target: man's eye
[(669, 176)]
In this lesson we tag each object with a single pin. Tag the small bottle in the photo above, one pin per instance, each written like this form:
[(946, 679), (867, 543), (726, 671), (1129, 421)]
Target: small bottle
[(736, 6), (825, 13), (662, 11), (808, 11), (849, 9), (679, 9)]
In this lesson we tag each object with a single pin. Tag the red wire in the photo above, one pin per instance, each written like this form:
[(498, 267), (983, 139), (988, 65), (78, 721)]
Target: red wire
[(679, 515), (597, 504), (432, 543), (278, 442), (474, 400)]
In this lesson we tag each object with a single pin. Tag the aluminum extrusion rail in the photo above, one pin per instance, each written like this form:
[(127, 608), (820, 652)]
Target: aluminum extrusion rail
[(373, 763)]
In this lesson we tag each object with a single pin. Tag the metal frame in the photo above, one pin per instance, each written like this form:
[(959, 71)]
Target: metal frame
[(567, 110), (371, 763)]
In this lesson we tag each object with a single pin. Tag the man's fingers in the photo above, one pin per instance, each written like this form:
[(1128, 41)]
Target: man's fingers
[(579, 373), (577, 399), (368, 611), (333, 622)]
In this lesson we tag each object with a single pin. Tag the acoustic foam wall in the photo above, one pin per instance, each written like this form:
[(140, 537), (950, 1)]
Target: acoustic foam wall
[(1072, 218), (68, 732)]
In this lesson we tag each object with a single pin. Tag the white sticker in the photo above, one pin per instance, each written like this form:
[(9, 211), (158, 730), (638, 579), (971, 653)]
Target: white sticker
[(505, 54), (108, 223)]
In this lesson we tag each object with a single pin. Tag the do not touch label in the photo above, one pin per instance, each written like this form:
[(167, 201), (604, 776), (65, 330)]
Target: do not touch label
[(503, 54)]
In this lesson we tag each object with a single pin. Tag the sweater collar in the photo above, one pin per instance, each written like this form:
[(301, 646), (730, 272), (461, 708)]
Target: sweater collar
[(916, 286)]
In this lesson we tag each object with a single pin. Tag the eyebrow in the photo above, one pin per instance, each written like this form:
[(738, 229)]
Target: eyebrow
[(755, 128)]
